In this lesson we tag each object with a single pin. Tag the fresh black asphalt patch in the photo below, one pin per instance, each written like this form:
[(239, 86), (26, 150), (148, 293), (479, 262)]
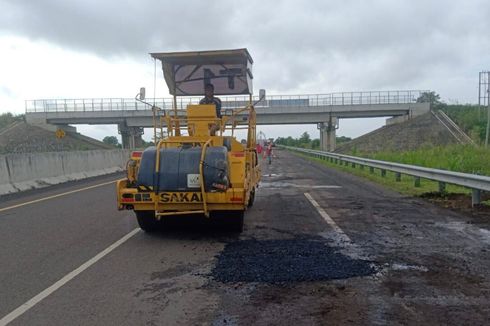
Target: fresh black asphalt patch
[(282, 261)]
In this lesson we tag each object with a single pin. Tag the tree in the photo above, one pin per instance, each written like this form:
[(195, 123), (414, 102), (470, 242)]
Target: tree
[(430, 97), (343, 139), (305, 138), (111, 140), (8, 118), (146, 144), (315, 143)]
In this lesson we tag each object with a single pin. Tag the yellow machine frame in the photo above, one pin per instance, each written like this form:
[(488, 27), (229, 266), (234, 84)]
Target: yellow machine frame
[(200, 121)]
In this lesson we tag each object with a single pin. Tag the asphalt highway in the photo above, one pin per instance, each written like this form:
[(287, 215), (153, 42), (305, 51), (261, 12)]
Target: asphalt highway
[(319, 247)]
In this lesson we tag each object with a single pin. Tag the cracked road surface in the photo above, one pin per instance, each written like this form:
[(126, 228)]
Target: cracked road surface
[(319, 247)]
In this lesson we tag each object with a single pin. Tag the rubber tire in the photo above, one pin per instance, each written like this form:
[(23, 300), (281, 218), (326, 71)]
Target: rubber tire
[(147, 221), (251, 199), (235, 221)]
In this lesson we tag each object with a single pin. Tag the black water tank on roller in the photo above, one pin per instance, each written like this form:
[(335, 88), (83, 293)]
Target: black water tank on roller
[(179, 164)]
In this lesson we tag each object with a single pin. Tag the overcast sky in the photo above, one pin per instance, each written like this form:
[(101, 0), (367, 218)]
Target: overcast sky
[(85, 49)]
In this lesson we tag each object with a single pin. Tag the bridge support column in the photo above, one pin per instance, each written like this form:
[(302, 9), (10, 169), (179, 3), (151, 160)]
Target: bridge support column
[(327, 134), (131, 136)]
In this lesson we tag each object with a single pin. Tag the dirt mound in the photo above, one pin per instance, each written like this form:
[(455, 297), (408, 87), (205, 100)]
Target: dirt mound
[(21, 137), (422, 131)]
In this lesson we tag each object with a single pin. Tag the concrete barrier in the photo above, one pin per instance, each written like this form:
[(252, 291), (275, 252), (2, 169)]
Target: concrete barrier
[(5, 186), (19, 172)]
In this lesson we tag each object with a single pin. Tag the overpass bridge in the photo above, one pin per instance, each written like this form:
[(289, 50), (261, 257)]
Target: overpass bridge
[(325, 110)]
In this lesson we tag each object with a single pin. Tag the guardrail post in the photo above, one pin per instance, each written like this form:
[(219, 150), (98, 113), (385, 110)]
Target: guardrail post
[(475, 197), (442, 187), (476, 183), (417, 182)]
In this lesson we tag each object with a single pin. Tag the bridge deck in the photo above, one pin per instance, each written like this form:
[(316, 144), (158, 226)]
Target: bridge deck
[(272, 101), (276, 109)]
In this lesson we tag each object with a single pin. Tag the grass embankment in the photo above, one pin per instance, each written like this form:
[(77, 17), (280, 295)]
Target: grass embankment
[(459, 158), (8, 118), (404, 186), (471, 118)]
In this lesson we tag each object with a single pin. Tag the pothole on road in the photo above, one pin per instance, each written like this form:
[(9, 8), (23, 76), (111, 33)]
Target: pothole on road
[(285, 261)]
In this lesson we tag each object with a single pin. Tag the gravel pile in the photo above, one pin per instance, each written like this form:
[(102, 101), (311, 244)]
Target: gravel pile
[(290, 260)]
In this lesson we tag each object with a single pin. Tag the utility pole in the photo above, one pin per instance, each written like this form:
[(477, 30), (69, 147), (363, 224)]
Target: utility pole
[(484, 99), (479, 96), (488, 111)]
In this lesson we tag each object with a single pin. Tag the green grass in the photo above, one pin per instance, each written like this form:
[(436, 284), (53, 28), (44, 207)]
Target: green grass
[(8, 118), (405, 186), (470, 118), (459, 158)]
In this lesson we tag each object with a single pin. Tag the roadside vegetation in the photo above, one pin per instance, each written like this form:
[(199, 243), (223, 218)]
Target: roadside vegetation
[(469, 117), (113, 141), (459, 158), (305, 141), (405, 186), (9, 118)]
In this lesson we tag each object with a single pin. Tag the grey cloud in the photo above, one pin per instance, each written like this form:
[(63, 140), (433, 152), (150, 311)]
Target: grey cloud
[(297, 45), (6, 91)]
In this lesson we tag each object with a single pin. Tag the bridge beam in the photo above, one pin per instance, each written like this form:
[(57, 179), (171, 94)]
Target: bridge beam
[(328, 134), (131, 136)]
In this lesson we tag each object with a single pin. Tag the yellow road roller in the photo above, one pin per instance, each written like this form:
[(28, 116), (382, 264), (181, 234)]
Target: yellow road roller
[(197, 165)]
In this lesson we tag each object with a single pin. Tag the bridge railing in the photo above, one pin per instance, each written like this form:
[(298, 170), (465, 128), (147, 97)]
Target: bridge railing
[(297, 101), (477, 183)]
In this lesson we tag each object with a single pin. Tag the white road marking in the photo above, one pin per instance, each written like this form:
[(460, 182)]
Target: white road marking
[(278, 184), (68, 277), (342, 236), (55, 196)]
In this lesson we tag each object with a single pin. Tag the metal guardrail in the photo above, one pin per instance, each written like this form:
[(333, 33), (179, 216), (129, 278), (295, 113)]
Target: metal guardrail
[(125, 104), (477, 183)]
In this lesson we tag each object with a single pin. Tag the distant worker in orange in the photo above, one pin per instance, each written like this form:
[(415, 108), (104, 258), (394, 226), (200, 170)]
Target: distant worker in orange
[(209, 98), (268, 152), (258, 147)]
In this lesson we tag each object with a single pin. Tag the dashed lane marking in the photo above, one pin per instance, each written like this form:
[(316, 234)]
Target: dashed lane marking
[(55, 196), (290, 185), (344, 237), (68, 277)]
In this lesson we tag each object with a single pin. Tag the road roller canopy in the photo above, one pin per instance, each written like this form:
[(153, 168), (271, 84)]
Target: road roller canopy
[(187, 73)]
